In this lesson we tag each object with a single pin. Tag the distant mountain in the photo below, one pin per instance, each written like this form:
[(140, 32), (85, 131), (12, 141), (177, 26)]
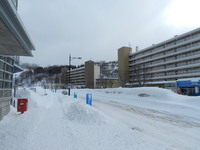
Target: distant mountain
[(34, 74), (39, 75)]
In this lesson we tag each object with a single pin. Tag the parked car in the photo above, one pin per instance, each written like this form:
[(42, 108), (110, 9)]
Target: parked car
[(64, 92)]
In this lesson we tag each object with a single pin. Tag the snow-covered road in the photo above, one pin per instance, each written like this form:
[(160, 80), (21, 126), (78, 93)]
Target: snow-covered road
[(60, 122), (174, 130)]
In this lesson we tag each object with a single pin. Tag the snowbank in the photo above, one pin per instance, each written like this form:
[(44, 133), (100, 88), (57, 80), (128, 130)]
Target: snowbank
[(159, 99)]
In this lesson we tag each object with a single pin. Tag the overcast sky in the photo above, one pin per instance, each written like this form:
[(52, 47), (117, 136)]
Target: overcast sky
[(95, 29)]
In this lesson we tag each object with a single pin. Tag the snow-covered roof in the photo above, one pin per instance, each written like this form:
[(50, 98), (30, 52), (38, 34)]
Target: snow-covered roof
[(161, 82)]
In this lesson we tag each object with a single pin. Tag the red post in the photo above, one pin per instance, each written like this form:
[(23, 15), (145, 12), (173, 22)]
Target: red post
[(22, 105)]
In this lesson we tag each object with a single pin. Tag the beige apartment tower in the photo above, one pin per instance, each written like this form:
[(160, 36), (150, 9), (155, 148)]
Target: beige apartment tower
[(92, 72), (123, 64)]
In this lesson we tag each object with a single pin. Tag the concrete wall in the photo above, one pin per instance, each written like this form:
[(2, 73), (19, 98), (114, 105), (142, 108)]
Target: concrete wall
[(96, 74), (4, 108)]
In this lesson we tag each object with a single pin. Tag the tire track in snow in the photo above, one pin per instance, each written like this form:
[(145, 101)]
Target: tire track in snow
[(167, 128)]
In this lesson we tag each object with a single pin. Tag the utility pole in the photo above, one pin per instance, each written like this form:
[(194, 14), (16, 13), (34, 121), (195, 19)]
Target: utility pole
[(69, 83)]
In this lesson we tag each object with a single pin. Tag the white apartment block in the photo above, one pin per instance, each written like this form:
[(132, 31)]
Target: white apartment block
[(84, 77), (77, 77), (176, 58)]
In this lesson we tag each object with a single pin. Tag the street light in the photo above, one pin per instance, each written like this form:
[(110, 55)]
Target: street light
[(70, 59)]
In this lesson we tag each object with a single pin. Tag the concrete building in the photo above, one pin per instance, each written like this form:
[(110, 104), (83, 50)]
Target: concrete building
[(14, 41), (176, 58), (92, 75), (77, 77), (85, 76), (107, 83)]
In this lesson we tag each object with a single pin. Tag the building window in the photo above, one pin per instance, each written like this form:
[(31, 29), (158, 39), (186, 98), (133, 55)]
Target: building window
[(1, 74), (1, 84), (9, 60), (1, 65), (196, 35), (8, 85), (7, 93), (170, 65), (6, 76), (9, 68)]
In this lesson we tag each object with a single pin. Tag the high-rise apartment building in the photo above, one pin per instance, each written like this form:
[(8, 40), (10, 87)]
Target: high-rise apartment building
[(176, 58), (85, 76)]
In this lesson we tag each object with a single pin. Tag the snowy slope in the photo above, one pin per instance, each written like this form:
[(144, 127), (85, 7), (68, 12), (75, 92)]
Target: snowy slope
[(119, 119)]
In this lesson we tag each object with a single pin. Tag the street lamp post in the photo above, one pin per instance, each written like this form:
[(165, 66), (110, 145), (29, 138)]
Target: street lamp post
[(69, 83)]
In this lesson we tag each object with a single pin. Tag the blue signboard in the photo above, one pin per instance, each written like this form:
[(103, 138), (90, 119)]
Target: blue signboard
[(89, 99), (188, 83)]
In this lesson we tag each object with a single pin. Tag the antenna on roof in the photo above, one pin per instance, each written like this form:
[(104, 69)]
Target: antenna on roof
[(136, 48), (129, 44)]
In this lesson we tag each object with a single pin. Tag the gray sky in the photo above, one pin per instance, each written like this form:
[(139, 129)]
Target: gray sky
[(94, 30)]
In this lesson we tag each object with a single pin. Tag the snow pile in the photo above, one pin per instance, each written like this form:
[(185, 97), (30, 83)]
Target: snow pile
[(80, 113), (153, 92), (35, 99)]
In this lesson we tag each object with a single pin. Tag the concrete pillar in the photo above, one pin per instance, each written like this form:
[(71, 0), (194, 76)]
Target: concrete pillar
[(196, 90)]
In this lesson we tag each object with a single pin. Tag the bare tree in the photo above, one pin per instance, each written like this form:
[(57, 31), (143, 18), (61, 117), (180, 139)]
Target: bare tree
[(110, 81), (140, 75), (108, 72), (63, 77)]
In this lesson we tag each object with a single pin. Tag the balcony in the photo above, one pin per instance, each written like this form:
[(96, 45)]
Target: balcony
[(153, 50), (188, 75)]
